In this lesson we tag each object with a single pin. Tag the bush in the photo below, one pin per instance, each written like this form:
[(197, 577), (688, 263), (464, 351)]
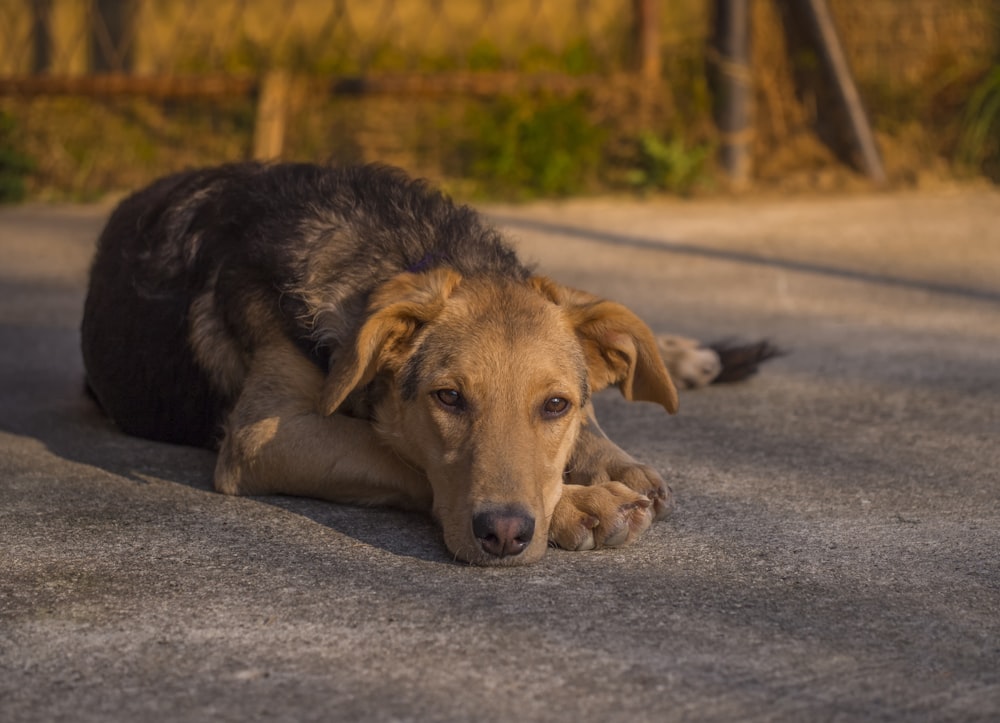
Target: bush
[(670, 165), (530, 147), (979, 143)]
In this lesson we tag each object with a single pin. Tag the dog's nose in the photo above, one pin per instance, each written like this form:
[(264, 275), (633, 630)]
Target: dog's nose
[(505, 531)]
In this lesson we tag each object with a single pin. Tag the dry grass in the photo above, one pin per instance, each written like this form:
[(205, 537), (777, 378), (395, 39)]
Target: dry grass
[(915, 62), (83, 149)]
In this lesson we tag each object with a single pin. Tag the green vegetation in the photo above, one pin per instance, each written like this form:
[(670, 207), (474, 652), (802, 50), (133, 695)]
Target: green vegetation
[(14, 165), (526, 147), (542, 146), (979, 141), (670, 164)]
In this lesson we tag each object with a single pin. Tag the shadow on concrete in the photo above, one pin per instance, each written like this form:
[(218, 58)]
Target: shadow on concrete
[(742, 257), (46, 401), (401, 533)]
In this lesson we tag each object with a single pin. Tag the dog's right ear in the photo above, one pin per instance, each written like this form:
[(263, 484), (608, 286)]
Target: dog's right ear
[(619, 348), (396, 311)]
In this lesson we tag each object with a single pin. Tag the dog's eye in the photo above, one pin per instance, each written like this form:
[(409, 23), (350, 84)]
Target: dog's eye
[(450, 398), (555, 407)]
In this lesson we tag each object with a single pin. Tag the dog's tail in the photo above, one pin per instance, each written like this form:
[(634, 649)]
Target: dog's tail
[(741, 361)]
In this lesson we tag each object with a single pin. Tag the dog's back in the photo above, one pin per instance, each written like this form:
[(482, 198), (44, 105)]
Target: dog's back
[(193, 272), (134, 333)]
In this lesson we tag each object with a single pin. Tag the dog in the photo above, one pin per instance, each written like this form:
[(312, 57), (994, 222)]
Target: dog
[(351, 334)]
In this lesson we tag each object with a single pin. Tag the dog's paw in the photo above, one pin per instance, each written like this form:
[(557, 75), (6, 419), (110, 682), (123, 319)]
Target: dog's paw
[(598, 461), (601, 515), (638, 477), (646, 481)]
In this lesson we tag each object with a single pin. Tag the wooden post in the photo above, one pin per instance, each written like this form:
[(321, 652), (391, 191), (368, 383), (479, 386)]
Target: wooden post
[(646, 15), (733, 88), (646, 58), (272, 114), (112, 32), (41, 34), (832, 55)]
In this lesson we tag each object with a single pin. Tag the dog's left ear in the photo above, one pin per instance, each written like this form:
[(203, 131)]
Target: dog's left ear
[(620, 349), (396, 312)]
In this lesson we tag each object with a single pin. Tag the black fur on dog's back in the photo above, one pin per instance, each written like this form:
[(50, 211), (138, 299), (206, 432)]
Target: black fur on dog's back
[(230, 255)]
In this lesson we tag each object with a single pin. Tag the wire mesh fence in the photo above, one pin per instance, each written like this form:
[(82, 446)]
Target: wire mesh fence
[(105, 93), (172, 37)]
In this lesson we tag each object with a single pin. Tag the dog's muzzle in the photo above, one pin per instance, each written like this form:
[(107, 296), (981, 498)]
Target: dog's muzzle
[(503, 531)]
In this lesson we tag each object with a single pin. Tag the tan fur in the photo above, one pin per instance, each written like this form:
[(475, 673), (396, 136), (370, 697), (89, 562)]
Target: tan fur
[(620, 348), (438, 331), (278, 442), (215, 350)]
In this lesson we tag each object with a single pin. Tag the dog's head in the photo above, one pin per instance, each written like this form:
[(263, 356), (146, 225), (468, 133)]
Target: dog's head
[(484, 387)]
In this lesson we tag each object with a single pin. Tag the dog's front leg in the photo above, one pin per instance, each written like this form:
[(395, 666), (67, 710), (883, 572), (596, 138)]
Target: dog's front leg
[(596, 460), (277, 442), (610, 498)]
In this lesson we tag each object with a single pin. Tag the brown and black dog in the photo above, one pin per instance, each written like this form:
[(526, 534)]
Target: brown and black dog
[(351, 335)]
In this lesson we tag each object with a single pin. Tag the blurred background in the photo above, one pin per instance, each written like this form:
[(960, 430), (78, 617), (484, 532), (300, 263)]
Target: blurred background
[(512, 99)]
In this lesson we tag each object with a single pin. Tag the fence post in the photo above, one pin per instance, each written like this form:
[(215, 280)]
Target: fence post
[(646, 58), (272, 113), (733, 104), (41, 36), (832, 54), (112, 30), (646, 16)]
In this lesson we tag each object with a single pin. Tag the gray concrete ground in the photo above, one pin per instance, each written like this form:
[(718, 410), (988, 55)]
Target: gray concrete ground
[(835, 554)]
